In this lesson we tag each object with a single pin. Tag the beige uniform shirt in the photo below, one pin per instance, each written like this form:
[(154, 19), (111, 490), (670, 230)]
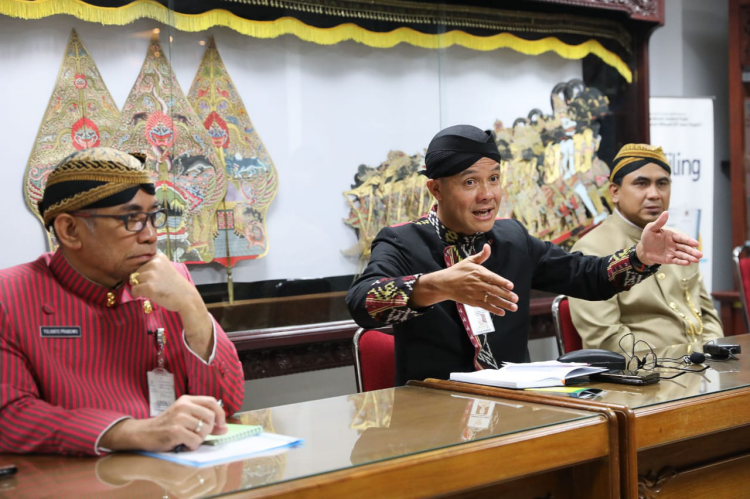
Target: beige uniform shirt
[(668, 308)]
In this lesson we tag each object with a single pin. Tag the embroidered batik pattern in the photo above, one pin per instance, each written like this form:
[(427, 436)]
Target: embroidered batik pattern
[(622, 274), (388, 298), (465, 245), (457, 248)]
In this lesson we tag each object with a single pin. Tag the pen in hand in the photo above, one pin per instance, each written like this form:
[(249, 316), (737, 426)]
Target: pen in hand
[(183, 447)]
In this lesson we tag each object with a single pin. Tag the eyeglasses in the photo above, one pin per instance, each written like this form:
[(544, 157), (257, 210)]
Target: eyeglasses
[(134, 222)]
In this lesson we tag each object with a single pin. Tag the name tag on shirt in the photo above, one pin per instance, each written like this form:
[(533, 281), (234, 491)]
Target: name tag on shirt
[(160, 390), (480, 320), (60, 331)]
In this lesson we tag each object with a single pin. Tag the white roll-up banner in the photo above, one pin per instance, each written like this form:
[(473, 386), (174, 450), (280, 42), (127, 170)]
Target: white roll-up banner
[(684, 128)]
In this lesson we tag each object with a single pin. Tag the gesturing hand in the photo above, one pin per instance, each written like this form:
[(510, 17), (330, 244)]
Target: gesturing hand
[(467, 282), (660, 245), (188, 421)]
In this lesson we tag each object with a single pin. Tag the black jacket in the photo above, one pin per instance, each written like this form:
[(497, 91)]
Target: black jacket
[(432, 342)]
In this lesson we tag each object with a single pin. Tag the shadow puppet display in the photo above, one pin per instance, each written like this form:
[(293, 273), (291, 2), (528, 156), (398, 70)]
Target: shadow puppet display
[(211, 169), (553, 181), (81, 113), (157, 120), (253, 180)]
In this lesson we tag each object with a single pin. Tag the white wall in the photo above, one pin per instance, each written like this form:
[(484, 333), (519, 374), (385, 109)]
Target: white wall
[(320, 110), (689, 59)]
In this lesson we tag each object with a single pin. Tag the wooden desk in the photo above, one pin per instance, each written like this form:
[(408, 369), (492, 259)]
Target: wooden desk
[(402, 442), (689, 436)]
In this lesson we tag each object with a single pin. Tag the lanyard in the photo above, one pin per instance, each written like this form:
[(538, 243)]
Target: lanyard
[(161, 340)]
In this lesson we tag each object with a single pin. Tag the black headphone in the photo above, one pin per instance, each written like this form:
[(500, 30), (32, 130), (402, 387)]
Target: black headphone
[(657, 362), (694, 358)]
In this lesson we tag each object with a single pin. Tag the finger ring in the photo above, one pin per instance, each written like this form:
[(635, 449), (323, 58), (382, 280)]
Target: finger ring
[(199, 427), (485, 297), (134, 279)]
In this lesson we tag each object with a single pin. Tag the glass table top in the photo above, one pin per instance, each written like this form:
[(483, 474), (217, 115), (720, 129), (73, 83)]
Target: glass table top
[(721, 375), (338, 433)]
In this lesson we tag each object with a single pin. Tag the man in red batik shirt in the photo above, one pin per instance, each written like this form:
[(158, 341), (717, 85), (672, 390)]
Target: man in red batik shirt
[(98, 339)]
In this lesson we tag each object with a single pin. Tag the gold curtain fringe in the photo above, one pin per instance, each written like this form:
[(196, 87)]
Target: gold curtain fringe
[(38, 9)]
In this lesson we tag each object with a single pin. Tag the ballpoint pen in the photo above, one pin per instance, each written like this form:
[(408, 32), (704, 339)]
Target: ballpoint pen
[(183, 447)]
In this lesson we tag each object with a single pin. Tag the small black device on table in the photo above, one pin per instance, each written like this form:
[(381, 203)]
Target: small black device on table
[(721, 352), (627, 377)]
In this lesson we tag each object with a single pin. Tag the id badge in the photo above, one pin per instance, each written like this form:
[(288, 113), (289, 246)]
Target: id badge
[(480, 320), (160, 390)]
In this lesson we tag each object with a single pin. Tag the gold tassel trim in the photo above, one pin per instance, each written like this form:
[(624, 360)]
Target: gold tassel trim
[(38, 9)]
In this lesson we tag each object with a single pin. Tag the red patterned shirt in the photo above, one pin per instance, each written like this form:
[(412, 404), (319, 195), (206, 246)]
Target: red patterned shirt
[(73, 362)]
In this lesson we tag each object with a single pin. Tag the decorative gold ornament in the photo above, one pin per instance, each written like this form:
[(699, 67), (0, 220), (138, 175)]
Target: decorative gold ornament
[(692, 329)]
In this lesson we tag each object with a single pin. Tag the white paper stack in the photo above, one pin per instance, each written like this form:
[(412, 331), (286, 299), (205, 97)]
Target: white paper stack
[(531, 375)]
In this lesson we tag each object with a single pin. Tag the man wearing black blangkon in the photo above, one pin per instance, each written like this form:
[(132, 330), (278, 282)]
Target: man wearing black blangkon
[(455, 284)]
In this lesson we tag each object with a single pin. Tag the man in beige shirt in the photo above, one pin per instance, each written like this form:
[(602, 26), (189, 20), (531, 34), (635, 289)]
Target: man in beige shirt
[(671, 308)]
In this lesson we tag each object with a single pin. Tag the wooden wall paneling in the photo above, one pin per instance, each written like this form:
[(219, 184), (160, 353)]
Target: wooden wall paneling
[(738, 54)]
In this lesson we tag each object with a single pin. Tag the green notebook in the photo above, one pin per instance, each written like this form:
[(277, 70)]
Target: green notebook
[(234, 432)]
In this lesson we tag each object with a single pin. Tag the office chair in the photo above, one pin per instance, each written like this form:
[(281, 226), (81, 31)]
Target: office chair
[(568, 338), (741, 256), (374, 360)]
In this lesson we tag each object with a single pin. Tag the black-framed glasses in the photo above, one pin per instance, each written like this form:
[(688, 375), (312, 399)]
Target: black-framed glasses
[(134, 222)]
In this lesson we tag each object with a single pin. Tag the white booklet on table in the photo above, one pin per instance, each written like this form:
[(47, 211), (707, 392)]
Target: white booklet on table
[(210, 455), (530, 375)]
